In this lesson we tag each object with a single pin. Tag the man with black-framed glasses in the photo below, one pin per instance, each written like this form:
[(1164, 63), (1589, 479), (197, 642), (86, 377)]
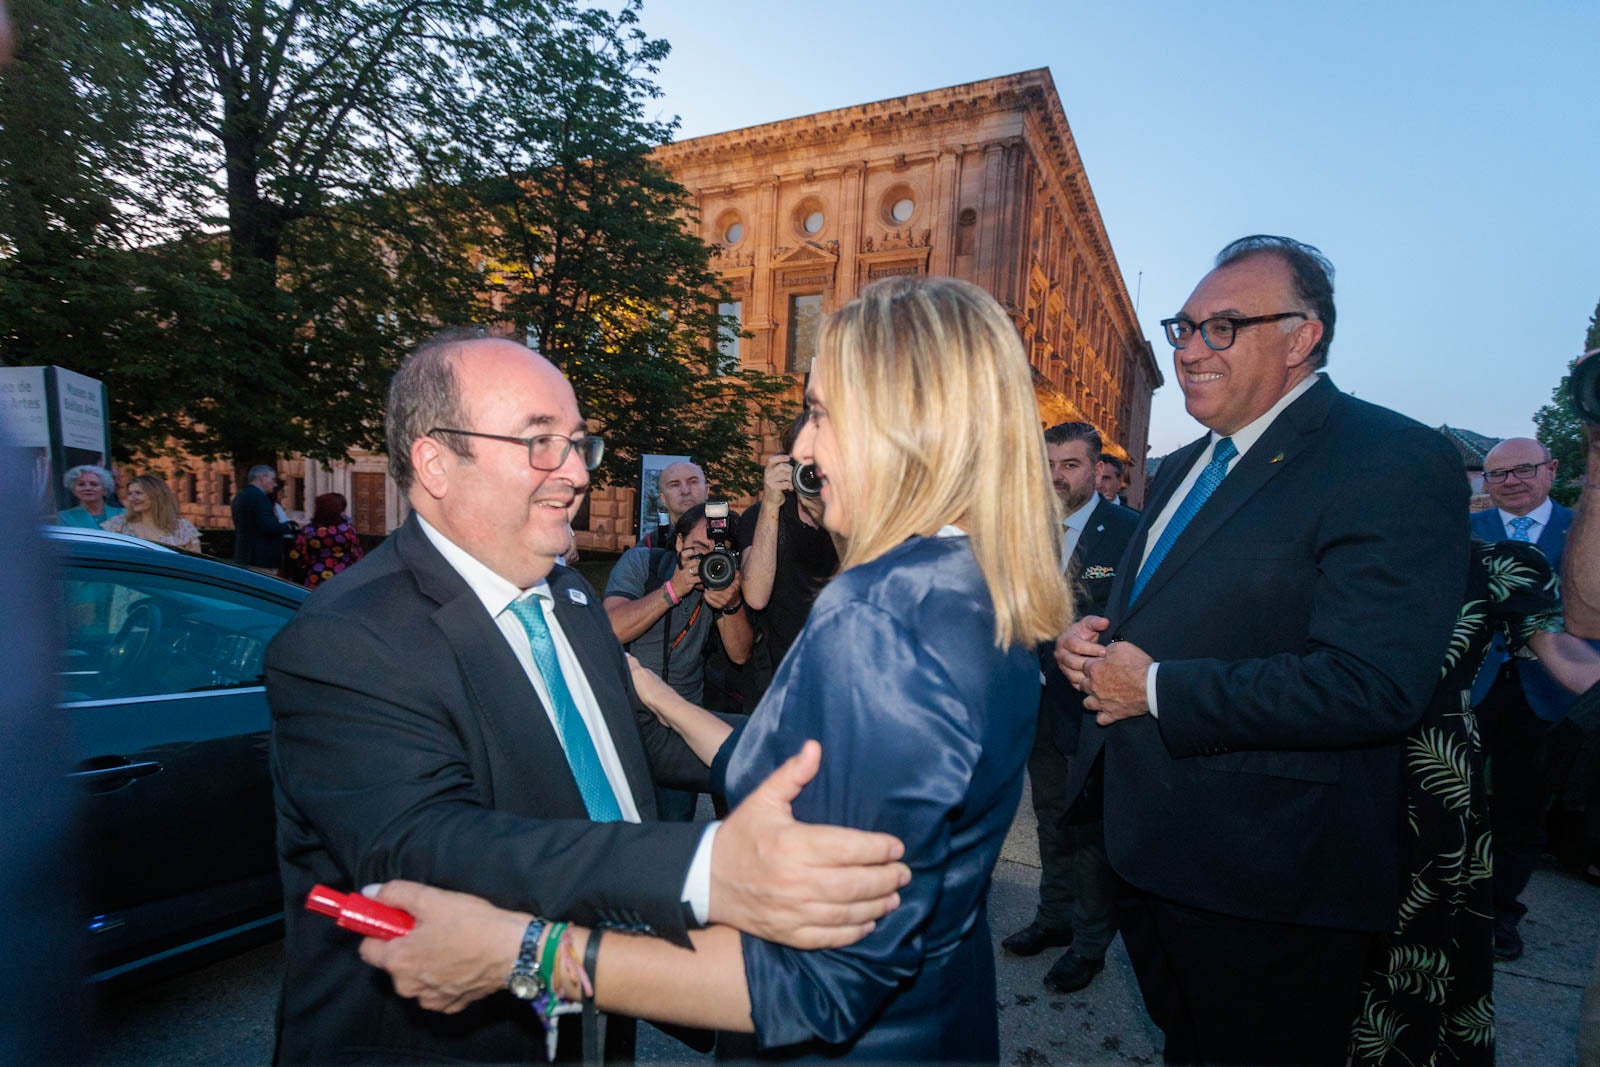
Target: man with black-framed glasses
[(1517, 701), (458, 711), (1276, 626)]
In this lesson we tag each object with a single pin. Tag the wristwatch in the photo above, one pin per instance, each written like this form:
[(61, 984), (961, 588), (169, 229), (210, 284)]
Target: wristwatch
[(524, 981), (732, 609)]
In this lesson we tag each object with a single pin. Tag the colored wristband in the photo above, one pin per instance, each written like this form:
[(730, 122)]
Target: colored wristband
[(671, 593), (547, 959)]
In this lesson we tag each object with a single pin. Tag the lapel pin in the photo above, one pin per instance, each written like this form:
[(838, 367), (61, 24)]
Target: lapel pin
[(1100, 528), (577, 596), (1276, 458)]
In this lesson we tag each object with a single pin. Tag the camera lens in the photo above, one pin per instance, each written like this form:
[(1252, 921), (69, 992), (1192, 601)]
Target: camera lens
[(806, 480), (717, 568), (1585, 387)]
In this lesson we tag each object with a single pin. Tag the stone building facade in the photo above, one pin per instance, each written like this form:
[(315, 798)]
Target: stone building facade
[(980, 181)]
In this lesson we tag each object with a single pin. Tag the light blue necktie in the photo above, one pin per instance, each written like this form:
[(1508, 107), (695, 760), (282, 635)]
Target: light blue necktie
[(1199, 493), (598, 798), (1519, 528)]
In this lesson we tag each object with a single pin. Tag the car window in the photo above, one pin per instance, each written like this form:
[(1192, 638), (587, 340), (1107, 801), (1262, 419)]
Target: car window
[(131, 634)]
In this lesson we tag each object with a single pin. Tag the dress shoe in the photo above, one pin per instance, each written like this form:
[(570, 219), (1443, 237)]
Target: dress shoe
[(1507, 943), (1034, 939), (1071, 973)]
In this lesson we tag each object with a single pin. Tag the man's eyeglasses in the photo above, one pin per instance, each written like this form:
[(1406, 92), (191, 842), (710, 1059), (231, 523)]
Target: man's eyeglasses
[(548, 451), (1219, 332), (1523, 471)]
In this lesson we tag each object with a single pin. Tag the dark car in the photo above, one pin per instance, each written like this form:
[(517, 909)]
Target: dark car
[(162, 677)]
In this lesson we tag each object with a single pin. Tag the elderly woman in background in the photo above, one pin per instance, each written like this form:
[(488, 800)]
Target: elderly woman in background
[(90, 485), (324, 546), (153, 515)]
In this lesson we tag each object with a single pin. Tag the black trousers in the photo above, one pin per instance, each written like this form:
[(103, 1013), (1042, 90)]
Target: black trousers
[(1519, 793), (1227, 990)]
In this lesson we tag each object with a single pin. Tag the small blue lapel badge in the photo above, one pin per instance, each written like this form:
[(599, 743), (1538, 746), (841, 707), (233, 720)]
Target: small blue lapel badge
[(1100, 528), (577, 596)]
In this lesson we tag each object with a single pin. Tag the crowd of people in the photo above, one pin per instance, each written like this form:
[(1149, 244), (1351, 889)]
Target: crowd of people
[(1254, 752), (1286, 727)]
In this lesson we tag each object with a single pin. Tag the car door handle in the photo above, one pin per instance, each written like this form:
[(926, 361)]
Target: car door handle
[(103, 778)]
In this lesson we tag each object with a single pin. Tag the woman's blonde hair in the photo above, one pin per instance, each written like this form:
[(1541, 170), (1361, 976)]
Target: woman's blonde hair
[(163, 514), (931, 398)]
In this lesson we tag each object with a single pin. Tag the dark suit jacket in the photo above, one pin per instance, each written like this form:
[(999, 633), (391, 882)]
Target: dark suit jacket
[(1300, 622), (1546, 696), (1092, 570), (408, 742), (257, 533)]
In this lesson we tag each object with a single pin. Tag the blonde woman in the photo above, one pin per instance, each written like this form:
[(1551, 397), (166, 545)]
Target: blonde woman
[(916, 671), (153, 515)]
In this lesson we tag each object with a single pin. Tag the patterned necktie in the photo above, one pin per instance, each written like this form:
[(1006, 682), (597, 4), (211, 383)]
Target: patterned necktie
[(1199, 493), (1519, 528), (598, 798)]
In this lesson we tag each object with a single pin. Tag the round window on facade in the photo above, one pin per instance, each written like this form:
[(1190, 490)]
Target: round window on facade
[(813, 222), (902, 209), (734, 233)]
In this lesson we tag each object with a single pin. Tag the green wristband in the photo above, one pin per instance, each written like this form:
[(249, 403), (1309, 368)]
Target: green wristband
[(547, 959)]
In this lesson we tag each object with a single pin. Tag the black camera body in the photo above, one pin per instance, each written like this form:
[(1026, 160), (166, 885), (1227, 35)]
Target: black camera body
[(807, 482), (1584, 386), (719, 567)]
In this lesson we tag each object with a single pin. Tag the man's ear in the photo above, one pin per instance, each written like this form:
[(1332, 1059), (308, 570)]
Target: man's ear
[(432, 465), (1306, 337)]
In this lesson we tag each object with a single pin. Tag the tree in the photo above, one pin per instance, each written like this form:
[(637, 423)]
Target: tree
[(593, 258), (1560, 429), (287, 194)]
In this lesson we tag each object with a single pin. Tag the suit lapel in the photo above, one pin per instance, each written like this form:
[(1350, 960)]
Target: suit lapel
[(1292, 432), (1093, 530), (507, 704), (1173, 471)]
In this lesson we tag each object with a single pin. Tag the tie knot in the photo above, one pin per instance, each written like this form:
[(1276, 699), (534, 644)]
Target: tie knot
[(1520, 526), (1224, 451)]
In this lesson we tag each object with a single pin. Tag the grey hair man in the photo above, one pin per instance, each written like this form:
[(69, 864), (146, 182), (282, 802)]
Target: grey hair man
[(258, 530)]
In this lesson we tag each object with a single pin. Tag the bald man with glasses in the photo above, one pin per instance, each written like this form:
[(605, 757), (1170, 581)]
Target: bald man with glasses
[(1517, 701)]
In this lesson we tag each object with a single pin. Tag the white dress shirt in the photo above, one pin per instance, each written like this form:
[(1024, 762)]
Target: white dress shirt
[(497, 595), (1243, 439), (1073, 526)]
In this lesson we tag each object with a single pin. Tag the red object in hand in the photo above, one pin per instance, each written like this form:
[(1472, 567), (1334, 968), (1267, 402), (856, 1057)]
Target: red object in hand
[(365, 916)]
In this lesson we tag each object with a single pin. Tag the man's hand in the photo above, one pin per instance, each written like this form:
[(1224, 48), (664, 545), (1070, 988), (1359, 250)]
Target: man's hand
[(686, 579), (795, 884), (461, 950), (1115, 683), (723, 598), (778, 479), (1079, 645)]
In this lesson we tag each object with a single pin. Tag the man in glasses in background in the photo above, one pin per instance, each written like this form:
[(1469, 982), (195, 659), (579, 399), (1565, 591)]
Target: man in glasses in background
[(1279, 622), (460, 713), (1517, 701)]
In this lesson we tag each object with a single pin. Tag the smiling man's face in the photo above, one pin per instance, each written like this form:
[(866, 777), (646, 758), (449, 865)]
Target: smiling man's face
[(1228, 390)]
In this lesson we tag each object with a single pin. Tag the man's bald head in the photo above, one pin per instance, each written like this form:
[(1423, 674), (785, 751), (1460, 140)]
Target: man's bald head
[(681, 486)]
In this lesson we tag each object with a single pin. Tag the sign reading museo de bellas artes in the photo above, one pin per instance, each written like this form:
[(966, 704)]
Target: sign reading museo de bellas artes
[(60, 417)]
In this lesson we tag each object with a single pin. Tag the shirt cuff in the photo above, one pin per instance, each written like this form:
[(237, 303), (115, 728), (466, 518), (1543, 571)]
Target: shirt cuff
[(1150, 689), (697, 885)]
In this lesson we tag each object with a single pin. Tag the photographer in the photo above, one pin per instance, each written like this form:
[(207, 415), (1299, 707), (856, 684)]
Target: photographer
[(787, 556), (662, 613)]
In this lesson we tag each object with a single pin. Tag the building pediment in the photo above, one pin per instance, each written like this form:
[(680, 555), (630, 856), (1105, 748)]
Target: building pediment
[(807, 253)]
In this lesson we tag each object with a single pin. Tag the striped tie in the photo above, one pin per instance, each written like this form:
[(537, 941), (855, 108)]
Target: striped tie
[(1199, 493)]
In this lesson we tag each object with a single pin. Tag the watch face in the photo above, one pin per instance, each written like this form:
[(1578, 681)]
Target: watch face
[(523, 986)]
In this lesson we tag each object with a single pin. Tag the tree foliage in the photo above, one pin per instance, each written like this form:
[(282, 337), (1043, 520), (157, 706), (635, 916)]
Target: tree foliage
[(1560, 429), (241, 214)]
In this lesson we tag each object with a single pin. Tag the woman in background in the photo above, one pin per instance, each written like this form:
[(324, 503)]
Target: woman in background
[(152, 514), (91, 486), (324, 546), (915, 670)]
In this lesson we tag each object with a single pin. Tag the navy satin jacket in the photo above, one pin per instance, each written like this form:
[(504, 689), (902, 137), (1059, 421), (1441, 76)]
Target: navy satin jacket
[(925, 728)]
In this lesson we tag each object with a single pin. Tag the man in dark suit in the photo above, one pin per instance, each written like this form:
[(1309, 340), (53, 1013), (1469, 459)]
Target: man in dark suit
[(258, 533), (1075, 902), (1518, 701), (1278, 625), (459, 713)]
